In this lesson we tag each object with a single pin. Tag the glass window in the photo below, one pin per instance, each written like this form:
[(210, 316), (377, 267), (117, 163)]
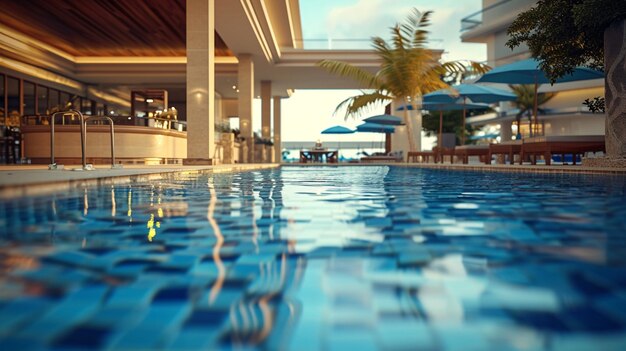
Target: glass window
[(42, 99), (53, 101), (65, 100), (13, 101), (86, 106), (100, 109), (29, 98)]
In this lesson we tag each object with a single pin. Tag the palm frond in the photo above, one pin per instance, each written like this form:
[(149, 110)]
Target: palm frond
[(358, 104), (526, 97), (366, 78), (420, 38)]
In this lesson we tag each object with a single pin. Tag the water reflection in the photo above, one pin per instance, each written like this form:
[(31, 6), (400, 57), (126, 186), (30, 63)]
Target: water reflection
[(319, 258)]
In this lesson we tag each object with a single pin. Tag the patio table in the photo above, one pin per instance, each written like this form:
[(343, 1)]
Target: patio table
[(318, 155)]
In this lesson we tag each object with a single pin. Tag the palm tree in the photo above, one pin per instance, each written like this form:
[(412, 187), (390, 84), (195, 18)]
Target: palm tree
[(408, 71), (526, 101)]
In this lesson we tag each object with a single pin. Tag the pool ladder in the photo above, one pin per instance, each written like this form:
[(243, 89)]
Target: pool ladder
[(83, 139)]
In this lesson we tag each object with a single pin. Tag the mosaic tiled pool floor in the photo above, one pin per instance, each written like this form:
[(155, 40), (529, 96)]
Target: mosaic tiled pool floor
[(350, 258)]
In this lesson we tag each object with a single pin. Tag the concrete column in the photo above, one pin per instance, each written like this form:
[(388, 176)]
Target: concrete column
[(400, 139), (200, 81), (278, 148), (417, 126), (266, 109), (246, 96), (266, 118)]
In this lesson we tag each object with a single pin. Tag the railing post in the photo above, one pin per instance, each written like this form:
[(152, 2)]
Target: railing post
[(52, 164), (112, 134)]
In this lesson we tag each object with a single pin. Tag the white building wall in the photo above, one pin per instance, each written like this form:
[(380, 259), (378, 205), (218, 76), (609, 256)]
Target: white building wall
[(575, 125), (503, 54), (572, 99)]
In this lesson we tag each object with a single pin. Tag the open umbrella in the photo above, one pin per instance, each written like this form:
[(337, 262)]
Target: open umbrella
[(375, 128), (385, 119), (338, 130), (369, 127), (473, 92), (443, 106), (528, 72)]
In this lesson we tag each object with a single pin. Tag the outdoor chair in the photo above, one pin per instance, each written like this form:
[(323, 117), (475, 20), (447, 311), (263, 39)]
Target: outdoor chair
[(394, 156)]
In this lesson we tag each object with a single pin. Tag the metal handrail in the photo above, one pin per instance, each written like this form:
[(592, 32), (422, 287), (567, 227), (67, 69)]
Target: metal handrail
[(83, 142), (111, 132)]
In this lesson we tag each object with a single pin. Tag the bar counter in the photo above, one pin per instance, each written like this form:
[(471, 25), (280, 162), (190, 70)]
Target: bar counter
[(133, 144)]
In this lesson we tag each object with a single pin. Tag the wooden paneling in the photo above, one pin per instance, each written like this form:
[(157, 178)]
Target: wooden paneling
[(104, 27)]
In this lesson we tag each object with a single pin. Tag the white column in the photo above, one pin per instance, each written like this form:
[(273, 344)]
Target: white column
[(246, 96), (266, 109), (399, 139), (266, 118), (278, 148), (200, 81)]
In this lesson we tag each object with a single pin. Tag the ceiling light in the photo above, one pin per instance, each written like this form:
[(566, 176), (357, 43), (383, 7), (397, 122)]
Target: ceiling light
[(149, 100)]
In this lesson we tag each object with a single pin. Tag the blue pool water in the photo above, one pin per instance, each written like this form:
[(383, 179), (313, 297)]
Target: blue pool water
[(325, 258)]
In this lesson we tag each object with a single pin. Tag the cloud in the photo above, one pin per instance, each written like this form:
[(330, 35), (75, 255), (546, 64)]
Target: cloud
[(362, 19)]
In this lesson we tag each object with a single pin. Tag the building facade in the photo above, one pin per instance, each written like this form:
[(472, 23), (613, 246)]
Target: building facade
[(564, 114)]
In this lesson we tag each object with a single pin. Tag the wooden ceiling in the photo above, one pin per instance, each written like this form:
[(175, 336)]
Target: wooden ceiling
[(104, 27)]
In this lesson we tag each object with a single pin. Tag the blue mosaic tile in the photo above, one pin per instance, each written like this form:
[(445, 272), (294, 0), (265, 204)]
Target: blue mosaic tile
[(132, 295), (382, 258), (18, 312), (83, 337)]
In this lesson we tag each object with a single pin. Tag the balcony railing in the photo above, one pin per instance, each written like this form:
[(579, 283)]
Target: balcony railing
[(350, 44), (494, 11)]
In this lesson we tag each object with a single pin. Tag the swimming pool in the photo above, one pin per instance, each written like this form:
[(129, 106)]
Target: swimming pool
[(308, 258)]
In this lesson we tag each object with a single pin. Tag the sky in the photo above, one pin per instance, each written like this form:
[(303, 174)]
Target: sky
[(307, 112)]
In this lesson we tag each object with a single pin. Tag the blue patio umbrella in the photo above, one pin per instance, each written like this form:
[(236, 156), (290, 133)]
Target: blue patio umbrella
[(338, 130), (369, 127), (528, 72), (473, 92), (375, 128), (456, 105), (385, 119)]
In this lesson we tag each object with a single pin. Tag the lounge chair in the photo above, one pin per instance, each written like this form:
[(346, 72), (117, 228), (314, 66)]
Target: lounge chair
[(510, 148), (440, 153), (421, 156), (546, 146), (394, 156), (465, 151)]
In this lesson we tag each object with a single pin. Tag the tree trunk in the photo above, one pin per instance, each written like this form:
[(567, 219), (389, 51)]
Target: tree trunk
[(615, 89)]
